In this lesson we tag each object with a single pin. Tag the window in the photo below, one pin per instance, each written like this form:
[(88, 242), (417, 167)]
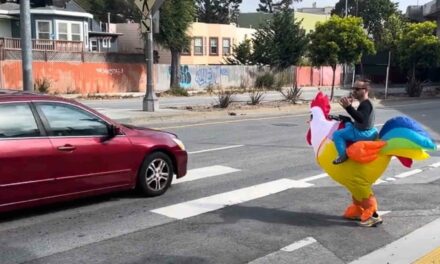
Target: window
[(17, 120), (198, 46), (213, 46), (76, 32), (106, 43), (63, 33), (44, 29), (226, 46), (68, 30), (186, 50), (66, 120), (94, 45)]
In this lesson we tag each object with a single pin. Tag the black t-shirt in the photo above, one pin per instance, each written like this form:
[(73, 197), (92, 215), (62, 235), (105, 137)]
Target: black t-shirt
[(363, 116)]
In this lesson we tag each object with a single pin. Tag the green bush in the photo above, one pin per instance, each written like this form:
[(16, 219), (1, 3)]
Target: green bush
[(177, 91), (265, 81)]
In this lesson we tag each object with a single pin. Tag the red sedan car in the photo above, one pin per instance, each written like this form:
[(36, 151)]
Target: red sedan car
[(53, 149)]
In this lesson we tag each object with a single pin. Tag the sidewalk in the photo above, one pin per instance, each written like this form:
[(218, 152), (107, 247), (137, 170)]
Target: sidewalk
[(182, 114)]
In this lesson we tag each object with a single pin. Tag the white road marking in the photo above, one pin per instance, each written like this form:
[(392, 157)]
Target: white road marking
[(391, 179), (299, 244), (218, 201), (408, 248), (408, 173), (435, 165), (316, 177), (383, 212), (379, 181), (215, 149), (206, 172)]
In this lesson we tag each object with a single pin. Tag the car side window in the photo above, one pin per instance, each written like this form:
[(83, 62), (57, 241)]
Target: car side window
[(68, 120), (17, 121)]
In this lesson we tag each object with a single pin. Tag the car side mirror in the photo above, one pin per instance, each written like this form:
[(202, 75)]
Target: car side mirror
[(113, 131)]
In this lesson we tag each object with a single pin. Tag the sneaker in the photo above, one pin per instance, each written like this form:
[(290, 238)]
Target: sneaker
[(340, 159), (371, 222)]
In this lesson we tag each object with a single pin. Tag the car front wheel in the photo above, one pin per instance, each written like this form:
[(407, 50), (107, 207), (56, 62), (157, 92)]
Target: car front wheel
[(156, 174)]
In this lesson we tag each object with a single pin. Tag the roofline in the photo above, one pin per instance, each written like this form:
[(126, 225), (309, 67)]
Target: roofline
[(50, 12)]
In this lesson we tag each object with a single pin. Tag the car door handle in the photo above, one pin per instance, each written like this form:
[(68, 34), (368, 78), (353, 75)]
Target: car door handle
[(66, 147)]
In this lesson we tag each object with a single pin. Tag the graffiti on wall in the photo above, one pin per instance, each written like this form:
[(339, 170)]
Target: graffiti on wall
[(185, 76), (110, 71), (206, 76)]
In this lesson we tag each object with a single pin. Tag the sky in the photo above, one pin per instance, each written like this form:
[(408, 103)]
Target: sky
[(251, 5)]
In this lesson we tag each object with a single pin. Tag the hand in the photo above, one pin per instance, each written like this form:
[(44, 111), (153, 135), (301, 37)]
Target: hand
[(345, 102)]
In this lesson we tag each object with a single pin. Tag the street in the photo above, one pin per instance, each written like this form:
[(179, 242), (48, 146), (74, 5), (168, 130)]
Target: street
[(253, 194)]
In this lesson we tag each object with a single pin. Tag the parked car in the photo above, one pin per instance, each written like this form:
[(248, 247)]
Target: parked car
[(54, 149)]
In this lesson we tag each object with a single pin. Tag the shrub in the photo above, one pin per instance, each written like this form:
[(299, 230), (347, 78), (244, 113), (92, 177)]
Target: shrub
[(256, 96), (42, 85), (293, 94), (177, 91), (224, 98), (265, 81)]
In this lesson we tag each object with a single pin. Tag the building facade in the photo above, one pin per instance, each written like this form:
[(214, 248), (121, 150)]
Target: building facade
[(429, 11), (210, 43), (53, 27)]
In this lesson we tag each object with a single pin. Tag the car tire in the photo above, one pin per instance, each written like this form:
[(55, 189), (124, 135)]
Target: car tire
[(156, 174)]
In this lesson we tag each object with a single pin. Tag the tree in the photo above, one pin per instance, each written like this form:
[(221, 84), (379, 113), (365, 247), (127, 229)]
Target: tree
[(373, 12), (337, 41), (392, 33), (419, 50), (241, 54), (175, 18), (218, 11), (271, 6), (281, 42)]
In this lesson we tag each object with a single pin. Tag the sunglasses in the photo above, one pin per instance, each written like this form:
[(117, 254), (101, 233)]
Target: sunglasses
[(357, 88)]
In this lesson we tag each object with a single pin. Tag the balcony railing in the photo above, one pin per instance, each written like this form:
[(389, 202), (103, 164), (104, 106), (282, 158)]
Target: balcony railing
[(44, 45)]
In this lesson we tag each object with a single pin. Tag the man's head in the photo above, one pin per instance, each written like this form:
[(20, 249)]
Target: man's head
[(360, 89)]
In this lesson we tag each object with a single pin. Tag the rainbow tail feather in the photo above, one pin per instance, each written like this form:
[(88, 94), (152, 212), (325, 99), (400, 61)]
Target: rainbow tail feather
[(406, 139)]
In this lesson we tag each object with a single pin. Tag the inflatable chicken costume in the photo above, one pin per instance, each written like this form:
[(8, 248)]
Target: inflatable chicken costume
[(401, 137)]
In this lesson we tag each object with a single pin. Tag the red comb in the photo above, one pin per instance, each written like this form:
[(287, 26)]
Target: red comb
[(323, 102)]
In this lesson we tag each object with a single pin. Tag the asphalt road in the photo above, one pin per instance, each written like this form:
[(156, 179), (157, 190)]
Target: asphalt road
[(248, 198)]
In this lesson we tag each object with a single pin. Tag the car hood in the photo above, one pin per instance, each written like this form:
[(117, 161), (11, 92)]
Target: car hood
[(134, 131)]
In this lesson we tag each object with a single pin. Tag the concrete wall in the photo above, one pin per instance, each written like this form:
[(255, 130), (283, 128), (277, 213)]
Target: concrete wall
[(77, 77), (95, 77)]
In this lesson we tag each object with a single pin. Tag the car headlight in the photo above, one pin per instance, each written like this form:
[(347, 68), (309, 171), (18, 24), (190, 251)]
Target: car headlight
[(179, 143)]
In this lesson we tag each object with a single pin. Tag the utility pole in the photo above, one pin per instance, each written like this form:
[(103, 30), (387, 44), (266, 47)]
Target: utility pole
[(346, 8), (26, 45), (150, 103), (148, 9)]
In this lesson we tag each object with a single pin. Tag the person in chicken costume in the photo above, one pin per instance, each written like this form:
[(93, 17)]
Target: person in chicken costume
[(401, 137)]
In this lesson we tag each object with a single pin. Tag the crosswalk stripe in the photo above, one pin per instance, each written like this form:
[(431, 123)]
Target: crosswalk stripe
[(316, 177), (206, 172), (408, 173), (379, 181), (408, 248), (299, 244), (435, 165), (218, 201), (215, 149)]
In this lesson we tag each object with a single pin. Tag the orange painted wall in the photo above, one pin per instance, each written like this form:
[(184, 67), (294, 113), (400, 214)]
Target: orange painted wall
[(84, 78), (309, 76)]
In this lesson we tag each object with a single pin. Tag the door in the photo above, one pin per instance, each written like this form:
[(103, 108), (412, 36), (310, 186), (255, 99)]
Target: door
[(25, 152), (85, 161)]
